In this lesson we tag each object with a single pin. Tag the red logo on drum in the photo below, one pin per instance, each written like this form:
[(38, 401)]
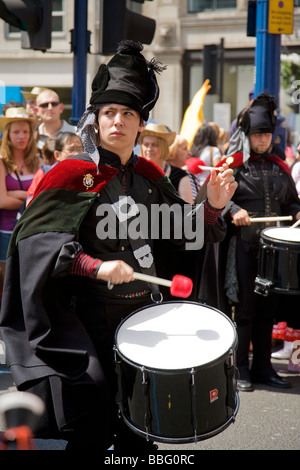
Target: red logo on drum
[(213, 395)]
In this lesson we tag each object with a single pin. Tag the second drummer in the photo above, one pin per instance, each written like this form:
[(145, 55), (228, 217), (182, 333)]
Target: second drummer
[(265, 188)]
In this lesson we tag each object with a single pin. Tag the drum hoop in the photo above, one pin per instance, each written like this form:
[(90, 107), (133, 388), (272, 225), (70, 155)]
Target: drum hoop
[(268, 238), (227, 353)]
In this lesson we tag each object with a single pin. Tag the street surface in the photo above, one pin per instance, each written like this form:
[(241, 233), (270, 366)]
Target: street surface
[(268, 419)]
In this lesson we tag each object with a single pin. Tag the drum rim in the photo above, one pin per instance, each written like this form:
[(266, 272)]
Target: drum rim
[(264, 237), (229, 351)]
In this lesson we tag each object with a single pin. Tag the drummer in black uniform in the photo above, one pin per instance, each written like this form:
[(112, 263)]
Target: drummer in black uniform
[(265, 188), (59, 324)]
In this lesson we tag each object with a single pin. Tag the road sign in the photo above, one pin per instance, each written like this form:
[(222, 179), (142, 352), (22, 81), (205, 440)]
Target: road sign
[(281, 16)]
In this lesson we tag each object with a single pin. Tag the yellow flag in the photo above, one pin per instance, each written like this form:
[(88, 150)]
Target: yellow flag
[(193, 117)]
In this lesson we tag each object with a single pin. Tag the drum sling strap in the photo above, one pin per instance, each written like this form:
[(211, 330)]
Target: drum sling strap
[(141, 249)]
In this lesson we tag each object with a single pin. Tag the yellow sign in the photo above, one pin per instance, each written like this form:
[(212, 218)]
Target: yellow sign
[(281, 16)]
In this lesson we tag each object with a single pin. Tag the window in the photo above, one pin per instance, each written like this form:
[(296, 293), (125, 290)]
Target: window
[(205, 5), (58, 16), (237, 80), (58, 20), (134, 6)]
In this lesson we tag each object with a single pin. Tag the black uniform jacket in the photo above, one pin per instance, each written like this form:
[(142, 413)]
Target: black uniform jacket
[(43, 336)]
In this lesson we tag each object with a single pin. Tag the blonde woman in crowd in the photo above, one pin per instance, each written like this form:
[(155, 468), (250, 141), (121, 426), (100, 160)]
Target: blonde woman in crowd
[(18, 164)]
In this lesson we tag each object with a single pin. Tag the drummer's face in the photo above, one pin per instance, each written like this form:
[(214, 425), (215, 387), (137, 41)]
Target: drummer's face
[(260, 143)]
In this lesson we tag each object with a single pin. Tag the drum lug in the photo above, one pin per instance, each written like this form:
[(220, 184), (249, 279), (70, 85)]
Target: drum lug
[(117, 362), (193, 399), (231, 375), (262, 286), (147, 411)]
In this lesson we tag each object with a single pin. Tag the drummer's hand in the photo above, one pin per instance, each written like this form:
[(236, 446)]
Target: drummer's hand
[(221, 187), (116, 272), (241, 218), (297, 216)]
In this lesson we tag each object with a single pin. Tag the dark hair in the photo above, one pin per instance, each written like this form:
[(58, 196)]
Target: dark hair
[(62, 138), (206, 135), (10, 104), (56, 143), (48, 150)]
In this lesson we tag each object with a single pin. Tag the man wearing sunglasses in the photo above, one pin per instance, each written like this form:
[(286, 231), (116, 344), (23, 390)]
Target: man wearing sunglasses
[(49, 110)]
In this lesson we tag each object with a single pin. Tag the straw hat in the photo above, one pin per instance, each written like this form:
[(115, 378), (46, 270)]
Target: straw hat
[(16, 114), (158, 130), (28, 95)]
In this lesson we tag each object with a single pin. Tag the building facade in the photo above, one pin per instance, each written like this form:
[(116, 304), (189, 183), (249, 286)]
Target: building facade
[(183, 29)]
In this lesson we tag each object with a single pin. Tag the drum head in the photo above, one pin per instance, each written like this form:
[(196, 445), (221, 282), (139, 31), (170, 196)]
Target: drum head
[(283, 233), (175, 335)]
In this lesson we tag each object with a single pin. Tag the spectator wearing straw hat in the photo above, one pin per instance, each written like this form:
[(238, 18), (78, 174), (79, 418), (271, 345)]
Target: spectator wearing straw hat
[(18, 164), (30, 98), (155, 141)]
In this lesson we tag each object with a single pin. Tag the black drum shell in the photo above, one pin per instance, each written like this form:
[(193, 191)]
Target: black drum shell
[(279, 263)]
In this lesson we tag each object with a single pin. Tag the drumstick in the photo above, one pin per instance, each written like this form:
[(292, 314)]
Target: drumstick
[(180, 286), (201, 167), (204, 167), (296, 224), (272, 219), (194, 165)]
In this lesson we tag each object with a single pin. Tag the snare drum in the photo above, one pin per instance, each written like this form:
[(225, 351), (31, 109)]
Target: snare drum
[(176, 369), (279, 262)]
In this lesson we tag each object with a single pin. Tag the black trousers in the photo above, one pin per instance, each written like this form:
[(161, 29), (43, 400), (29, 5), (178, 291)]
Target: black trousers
[(101, 320), (92, 420), (254, 316)]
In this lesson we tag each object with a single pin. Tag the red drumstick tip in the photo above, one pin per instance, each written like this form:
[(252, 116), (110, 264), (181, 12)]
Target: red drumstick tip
[(181, 286), (193, 165)]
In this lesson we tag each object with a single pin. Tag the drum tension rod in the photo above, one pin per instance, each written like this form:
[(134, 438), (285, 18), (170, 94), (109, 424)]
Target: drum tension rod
[(147, 413), (193, 399)]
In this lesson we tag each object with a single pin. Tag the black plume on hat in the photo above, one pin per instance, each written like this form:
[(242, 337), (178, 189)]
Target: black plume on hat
[(261, 116), (128, 79)]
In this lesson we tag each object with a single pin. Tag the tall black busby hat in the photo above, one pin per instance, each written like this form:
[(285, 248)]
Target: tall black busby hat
[(128, 79), (261, 116)]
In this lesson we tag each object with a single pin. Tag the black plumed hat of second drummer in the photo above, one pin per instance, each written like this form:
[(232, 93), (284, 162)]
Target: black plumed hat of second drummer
[(261, 116), (128, 79)]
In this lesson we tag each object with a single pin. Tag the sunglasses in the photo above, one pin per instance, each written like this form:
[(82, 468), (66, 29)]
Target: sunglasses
[(46, 105)]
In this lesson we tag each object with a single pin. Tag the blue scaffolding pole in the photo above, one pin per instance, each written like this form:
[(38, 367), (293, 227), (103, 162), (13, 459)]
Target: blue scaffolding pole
[(267, 64), (80, 47), (267, 57)]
